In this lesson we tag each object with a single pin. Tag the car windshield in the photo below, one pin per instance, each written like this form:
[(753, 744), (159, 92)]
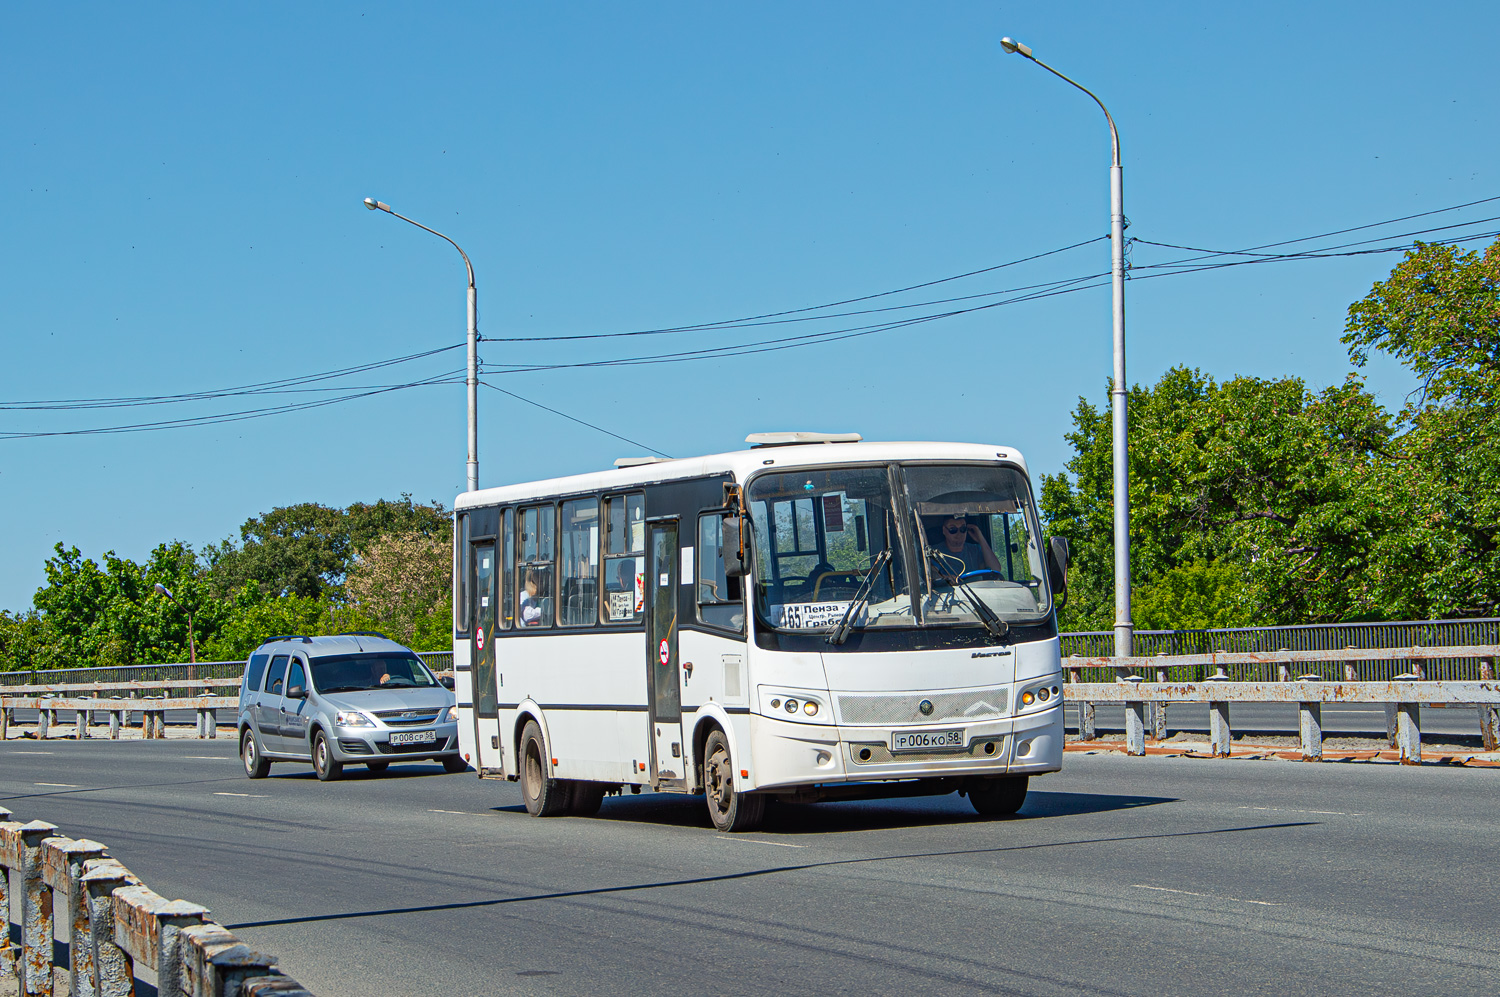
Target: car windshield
[(971, 529), (977, 538), (358, 672), (817, 533)]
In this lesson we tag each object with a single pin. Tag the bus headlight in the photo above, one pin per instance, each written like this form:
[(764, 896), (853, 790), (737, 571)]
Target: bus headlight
[(791, 706), (1028, 697), (810, 708)]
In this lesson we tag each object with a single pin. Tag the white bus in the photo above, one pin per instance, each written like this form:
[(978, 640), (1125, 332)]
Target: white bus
[(812, 618)]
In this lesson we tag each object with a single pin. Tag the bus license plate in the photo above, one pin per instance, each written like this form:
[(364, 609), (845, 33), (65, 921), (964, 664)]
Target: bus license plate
[(414, 737), (926, 740)]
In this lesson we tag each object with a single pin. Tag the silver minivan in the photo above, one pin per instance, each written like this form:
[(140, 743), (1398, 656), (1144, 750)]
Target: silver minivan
[(357, 698)]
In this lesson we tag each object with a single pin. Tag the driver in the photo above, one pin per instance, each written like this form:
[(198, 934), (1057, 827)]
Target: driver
[(963, 549)]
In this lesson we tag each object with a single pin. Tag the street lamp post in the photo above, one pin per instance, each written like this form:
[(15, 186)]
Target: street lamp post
[(1124, 628), (192, 644), (473, 376)]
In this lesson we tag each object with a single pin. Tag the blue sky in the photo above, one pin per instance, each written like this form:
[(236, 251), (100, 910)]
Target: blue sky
[(182, 213)]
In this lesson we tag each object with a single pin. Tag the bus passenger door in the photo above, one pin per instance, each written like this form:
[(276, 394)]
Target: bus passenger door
[(484, 612), (663, 682)]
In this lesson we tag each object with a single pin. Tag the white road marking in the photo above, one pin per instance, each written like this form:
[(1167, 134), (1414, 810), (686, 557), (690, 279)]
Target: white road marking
[(758, 841), (466, 813), (1321, 813), (32, 752), (209, 758), (59, 785), (253, 796), (1210, 896)]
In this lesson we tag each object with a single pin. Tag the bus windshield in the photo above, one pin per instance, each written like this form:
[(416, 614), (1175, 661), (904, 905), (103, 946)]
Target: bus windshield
[(817, 534), (971, 537)]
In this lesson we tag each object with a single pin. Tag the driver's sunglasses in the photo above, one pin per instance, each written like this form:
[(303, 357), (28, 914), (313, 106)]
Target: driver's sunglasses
[(956, 529)]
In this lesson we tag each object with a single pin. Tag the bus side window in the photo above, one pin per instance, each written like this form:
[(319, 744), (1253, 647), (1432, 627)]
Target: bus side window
[(461, 575), (624, 559), (507, 613), (534, 567), (578, 594), (719, 599)]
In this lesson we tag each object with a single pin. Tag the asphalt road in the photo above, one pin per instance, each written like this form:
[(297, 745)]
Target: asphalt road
[(1122, 875)]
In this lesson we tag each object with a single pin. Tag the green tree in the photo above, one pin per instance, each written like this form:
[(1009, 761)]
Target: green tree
[(1438, 313), (306, 549), (1262, 478)]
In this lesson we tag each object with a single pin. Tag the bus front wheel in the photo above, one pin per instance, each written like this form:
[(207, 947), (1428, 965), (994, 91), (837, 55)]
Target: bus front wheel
[(544, 795), (730, 810), (998, 797)]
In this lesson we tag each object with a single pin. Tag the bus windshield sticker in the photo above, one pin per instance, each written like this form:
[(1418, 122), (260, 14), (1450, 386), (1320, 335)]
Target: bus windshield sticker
[(808, 615)]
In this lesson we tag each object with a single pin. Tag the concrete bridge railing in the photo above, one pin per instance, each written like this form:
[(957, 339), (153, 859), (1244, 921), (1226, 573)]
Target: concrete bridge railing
[(89, 928), (1145, 700)]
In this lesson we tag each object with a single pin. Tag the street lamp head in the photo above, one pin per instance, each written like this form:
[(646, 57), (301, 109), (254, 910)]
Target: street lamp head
[(1012, 46), (165, 591), (374, 205)]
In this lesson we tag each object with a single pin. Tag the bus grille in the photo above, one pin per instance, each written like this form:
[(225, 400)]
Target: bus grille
[(887, 710)]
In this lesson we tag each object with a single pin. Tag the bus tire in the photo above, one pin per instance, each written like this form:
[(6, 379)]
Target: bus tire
[(998, 797), (544, 795), (587, 798), (729, 810)]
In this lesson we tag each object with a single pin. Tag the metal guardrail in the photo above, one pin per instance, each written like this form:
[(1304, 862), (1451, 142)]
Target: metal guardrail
[(116, 929), (1403, 694), (1198, 644), (87, 702), (176, 673)]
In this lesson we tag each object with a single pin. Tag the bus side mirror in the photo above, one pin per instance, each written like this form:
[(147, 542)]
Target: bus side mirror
[(733, 547), (1057, 565)]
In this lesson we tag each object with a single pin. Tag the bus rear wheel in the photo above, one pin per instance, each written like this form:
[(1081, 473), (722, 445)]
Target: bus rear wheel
[(544, 795), (998, 797), (729, 810)]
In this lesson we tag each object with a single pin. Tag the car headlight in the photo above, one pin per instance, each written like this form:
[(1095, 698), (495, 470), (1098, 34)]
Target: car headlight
[(450, 716), (353, 718)]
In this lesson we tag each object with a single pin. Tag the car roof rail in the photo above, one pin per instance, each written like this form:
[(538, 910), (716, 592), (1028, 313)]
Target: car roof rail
[(364, 633), (271, 640)]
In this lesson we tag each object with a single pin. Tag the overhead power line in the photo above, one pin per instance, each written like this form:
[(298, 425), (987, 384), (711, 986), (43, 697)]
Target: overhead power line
[(574, 418)]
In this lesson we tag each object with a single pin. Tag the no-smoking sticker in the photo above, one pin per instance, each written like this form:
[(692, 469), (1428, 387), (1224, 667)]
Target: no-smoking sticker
[(479, 638), (664, 652)]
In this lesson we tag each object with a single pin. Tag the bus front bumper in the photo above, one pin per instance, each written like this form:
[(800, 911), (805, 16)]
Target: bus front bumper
[(790, 754)]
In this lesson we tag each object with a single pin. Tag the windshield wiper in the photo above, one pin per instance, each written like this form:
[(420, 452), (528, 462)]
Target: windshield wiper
[(840, 633), (992, 622)]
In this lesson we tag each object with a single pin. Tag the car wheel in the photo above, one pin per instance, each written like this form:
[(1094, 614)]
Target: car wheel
[(378, 767), (256, 764), (455, 763), (998, 797), (544, 795), (587, 797), (327, 767), (730, 810)]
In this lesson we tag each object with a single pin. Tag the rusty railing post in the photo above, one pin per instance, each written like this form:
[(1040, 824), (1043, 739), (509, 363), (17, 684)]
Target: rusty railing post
[(1489, 714), (1409, 733), (114, 972), (149, 928), (62, 867), (21, 848), (1310, 724)]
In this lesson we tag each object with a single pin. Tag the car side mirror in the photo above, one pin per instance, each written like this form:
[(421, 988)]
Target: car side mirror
[(296, 692), (1058, 557), (733, 547), (447, 681)]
